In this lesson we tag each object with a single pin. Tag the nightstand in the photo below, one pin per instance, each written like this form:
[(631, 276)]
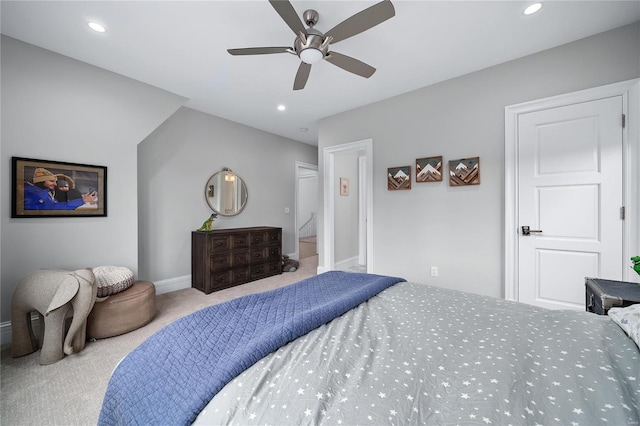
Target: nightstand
[(602, 295)]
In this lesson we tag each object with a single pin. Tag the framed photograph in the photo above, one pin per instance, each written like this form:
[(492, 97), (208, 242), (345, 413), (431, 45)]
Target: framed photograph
[(429, 169), (398, 178), (465, 171), (344, 186), (43, 188)]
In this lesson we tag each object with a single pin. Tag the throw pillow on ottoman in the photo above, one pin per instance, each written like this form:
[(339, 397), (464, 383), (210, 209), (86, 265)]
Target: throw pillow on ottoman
[(112, 279), (122, 312)]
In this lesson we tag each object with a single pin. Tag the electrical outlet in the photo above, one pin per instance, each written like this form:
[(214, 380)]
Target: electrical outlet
[(434, 271), (286, 210)]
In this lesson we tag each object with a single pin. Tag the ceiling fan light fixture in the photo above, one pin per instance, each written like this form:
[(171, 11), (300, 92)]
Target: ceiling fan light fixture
[(311, 55)]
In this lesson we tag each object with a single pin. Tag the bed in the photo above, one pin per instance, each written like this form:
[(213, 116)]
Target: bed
[(345, 348)]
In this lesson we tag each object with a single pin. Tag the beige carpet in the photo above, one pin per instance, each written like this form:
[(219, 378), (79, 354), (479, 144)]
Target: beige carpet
[(70, 391)]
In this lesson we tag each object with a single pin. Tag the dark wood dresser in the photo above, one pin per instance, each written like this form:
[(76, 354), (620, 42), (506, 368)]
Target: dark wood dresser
[(227, 257)]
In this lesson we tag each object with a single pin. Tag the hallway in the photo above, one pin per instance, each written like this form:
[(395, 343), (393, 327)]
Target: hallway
[(308, 246)]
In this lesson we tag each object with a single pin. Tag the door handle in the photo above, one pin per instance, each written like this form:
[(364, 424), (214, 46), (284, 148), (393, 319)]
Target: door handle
[(526, 230)]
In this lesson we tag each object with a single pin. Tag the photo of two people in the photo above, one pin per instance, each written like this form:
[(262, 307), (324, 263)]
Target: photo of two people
[(44, 189)]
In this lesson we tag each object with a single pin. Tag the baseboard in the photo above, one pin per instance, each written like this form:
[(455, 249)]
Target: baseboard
[(5, 333), (5, 330), (173, 284), (344, 265)]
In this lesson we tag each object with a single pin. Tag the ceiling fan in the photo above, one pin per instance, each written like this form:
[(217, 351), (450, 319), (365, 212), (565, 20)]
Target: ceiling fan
[(311, 46)]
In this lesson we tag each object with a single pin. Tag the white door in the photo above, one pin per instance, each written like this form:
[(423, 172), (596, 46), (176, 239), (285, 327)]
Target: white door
[(570, 194)]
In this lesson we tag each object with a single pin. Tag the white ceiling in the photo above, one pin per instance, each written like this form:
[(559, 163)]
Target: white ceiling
[(181, 46)]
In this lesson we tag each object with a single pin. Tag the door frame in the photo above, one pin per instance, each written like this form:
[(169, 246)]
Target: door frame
[(362, 210), (630, 92), (330, 153), (299, 166)]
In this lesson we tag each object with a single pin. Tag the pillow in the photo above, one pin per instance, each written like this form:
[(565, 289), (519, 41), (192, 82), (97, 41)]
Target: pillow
[(629, 320), (112, 279)]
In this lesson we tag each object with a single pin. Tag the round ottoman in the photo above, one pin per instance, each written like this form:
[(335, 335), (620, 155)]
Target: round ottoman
[(122, 312)]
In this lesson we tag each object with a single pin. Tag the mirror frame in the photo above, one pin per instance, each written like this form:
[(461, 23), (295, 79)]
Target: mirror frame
[(211, 191)]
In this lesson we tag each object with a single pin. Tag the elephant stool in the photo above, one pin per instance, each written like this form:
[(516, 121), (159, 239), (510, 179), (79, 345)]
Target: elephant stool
[(55, 295)]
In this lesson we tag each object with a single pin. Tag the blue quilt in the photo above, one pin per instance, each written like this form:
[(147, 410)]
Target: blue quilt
[(171, 376)]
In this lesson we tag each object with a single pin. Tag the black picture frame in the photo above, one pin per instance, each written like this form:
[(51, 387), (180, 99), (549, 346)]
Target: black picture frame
[(31, 199)]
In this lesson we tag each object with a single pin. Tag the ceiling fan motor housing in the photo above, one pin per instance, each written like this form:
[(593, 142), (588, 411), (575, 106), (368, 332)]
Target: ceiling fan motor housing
[(313, 40)]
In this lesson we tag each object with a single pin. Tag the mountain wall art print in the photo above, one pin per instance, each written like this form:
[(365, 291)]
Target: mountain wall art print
[(465, 171)]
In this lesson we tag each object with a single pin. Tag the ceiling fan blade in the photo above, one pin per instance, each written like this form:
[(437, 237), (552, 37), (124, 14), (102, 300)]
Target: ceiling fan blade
[(289, 15), (301, 76), (350, 64), (258, 50), (362, 21)]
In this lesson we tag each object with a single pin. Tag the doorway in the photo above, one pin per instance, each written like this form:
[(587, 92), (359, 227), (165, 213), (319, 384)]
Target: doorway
[(306, 210), (565, 179), (362, 217)]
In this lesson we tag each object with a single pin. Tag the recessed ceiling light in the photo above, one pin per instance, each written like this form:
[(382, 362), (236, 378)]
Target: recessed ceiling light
[(97, 27), (533, 8), (281, 107)]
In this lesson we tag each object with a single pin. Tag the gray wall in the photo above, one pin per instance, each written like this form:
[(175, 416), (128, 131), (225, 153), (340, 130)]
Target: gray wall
[(460, 230), (174, 164), (55, 108), (59, 109)]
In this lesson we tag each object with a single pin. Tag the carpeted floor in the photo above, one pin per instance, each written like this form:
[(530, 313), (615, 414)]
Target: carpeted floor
[(70, 391)]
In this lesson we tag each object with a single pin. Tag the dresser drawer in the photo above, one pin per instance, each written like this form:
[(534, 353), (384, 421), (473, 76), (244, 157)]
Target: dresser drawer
[(266, 253), (219, 243), (219, 281), (222, 243), (228, 278), (258, 238), (240, 275), (240, 241), (265, 270), (265, 237), (274, 253), (233, 259), (274, 236)]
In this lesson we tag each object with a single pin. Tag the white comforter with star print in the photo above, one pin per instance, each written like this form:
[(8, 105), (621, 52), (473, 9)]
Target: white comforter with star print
[(416, 354)]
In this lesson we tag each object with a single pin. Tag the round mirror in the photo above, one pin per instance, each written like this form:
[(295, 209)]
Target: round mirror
[(226, 193)]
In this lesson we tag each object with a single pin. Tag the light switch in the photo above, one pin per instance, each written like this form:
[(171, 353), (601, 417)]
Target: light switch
[(286, 210)]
